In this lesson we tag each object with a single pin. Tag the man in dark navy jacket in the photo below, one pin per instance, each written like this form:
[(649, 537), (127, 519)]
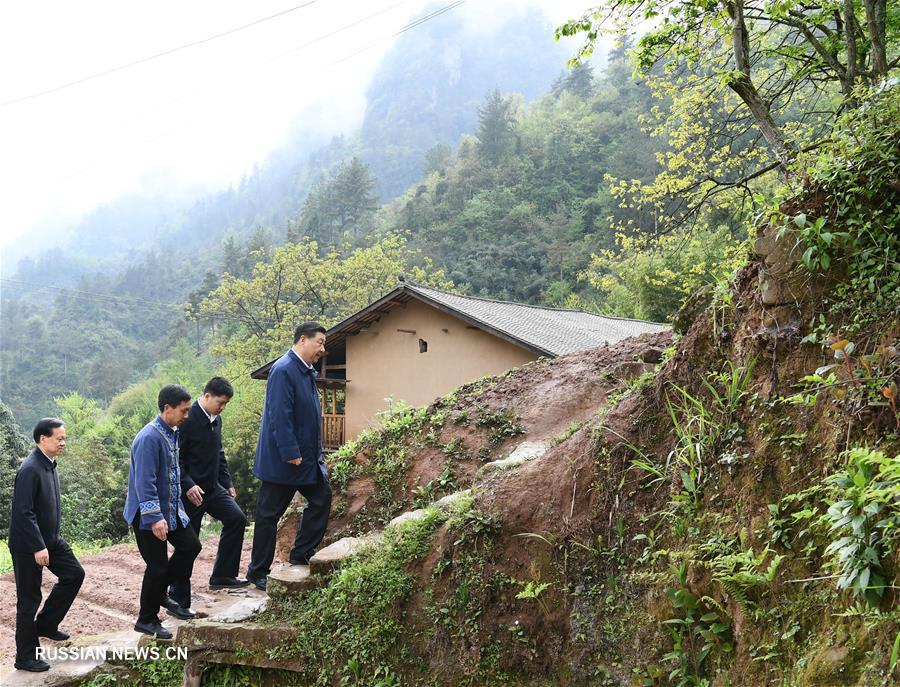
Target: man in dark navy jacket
[(289, 454), (207, 488), (34, 543)]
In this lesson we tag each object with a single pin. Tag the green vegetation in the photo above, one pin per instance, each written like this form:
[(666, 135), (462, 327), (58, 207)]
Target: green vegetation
[(864, 521), (355, 627)]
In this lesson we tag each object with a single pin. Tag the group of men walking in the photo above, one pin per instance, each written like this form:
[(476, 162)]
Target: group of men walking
[(178, 474)]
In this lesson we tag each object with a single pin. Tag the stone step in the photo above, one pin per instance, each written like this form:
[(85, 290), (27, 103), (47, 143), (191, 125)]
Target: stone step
[(241, 636), (523, 453), (72, 671), (242, 611), (291, 579), (447, 501), (333, 555), (409, 515)]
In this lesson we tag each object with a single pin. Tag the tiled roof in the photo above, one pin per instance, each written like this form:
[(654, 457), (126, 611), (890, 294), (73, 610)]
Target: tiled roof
[(544, 331), (550, 330)]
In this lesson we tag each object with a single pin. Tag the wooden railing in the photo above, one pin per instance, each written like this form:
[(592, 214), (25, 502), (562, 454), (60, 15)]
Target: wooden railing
[(332, 431)]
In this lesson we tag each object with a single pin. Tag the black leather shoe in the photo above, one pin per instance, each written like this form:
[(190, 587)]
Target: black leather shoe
[(299, 561), (227, 582), (155, 629), (33, 665), (56, 635), (259, 582), (176, 609), (182, 612)]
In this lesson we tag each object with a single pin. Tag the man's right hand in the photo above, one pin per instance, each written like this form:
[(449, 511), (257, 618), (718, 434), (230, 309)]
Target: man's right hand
[(296, 461), (42, 557), (195, 495), (160, 529)]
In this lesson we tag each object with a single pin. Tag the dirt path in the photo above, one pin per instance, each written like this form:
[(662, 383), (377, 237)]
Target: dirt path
[(108, 600)]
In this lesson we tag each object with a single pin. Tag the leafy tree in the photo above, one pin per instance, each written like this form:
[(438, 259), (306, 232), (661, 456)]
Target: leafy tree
[(354, 197), (13, 448), (298, 283), (92, 476), (738, 70), (437, 158), (649, 278), (258, 248)]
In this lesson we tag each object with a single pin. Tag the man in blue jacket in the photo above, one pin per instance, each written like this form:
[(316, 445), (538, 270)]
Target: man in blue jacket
[(154, 510), (289, 455)]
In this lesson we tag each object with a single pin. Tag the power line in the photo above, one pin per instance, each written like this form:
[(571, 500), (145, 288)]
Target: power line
[(412, 25), (404, 29), (318, 39), (156, 56)]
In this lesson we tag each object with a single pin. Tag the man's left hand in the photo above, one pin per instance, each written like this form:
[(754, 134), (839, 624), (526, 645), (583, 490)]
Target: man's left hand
[(232, 492)]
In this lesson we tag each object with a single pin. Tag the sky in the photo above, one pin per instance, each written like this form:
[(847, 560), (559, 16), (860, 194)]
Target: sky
[(192, 120)]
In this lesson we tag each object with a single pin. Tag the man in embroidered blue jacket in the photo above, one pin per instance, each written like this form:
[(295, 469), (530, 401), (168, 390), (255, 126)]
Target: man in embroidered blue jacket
[(154, 510), (289, 455)]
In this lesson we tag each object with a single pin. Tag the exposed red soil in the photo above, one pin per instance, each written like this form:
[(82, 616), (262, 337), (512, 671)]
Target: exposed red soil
[(546, 397)]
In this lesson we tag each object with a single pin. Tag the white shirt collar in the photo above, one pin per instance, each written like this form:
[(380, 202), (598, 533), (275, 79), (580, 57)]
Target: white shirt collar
[(212, 418), (300, 358), (50, 458)]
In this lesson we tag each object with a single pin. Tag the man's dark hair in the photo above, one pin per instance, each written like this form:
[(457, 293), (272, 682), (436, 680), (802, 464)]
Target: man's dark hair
[(219, 386), (172, 395), (45, 427), (307, 329)]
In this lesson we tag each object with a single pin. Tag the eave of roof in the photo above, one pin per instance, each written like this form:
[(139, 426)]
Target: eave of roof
[(408, 291)]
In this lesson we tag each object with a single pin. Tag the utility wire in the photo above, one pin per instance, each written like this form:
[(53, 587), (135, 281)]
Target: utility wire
[(150, 58), (412, 25), (404, 29), (336, 31)]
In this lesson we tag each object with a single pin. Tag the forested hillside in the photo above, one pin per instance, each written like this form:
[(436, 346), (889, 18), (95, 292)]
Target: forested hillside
[(128, 268)]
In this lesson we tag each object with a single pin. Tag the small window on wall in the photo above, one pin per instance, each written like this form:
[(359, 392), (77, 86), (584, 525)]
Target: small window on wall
[(423, 346)]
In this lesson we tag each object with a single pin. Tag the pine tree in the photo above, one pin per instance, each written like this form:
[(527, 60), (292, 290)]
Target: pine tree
[(355, 202), (293, 233), (315, 221), (259, 247), (231, 254), (495, 128)]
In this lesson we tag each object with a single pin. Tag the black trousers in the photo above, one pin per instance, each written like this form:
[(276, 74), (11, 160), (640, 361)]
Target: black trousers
[(224, 508), (161, 571), (271, 503), (69, 574)]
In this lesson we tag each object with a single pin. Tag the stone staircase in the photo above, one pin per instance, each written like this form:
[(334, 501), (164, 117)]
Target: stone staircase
[(238, 640), (231, 634)]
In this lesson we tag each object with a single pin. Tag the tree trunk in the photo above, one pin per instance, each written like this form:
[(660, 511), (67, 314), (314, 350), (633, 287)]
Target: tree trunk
[(850, 38), (875, 22), (746, 91)]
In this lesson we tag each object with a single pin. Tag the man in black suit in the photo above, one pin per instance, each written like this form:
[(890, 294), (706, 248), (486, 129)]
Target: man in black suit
[(34, 543), (207, 488)]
